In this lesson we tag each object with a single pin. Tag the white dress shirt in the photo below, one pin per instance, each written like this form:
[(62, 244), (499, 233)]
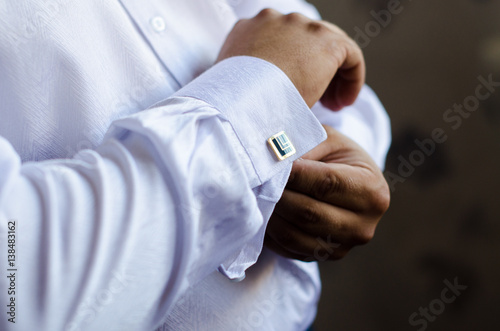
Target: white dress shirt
[(135, 196)]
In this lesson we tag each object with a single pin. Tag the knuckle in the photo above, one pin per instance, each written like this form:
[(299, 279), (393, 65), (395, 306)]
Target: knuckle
[(268, 12), (310, 214), (364, 236), (317, 27), (295, 17), (380, 198), (328, 185)]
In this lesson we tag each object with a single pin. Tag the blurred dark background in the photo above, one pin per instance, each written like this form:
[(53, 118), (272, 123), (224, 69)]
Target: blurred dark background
[(443, 221)]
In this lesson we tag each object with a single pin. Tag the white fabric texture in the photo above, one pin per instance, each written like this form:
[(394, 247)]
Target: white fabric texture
[(138, 173)]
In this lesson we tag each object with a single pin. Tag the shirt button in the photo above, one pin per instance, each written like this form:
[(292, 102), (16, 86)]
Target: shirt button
[(158, 23)]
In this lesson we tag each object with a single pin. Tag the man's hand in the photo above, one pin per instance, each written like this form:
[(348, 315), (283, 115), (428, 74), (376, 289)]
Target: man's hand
[(317, 56), (333, 201)]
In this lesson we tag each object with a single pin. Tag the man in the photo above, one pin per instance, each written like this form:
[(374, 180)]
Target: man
[(121, 218)]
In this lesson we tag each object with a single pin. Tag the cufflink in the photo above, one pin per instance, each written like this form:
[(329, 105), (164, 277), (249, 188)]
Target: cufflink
[(281, 145)]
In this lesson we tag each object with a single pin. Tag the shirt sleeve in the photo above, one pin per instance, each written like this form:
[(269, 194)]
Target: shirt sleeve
[(109, 239)]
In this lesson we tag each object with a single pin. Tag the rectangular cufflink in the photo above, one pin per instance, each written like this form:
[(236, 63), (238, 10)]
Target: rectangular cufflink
[(281, 145)]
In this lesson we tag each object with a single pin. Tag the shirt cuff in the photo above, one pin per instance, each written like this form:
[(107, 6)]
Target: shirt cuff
[(258, 100)]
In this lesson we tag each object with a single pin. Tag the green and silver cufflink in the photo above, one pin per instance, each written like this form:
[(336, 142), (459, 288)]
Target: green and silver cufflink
[(281, 145)]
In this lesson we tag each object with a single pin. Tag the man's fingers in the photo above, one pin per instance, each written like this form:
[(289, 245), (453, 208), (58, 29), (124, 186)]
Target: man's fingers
[(319, 152), (289, 241), (351, 73), (317, 218), (333, 201), (322, 49), (288, 236), (339, 184), (345, 87), (336, 147), (271, 244)]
